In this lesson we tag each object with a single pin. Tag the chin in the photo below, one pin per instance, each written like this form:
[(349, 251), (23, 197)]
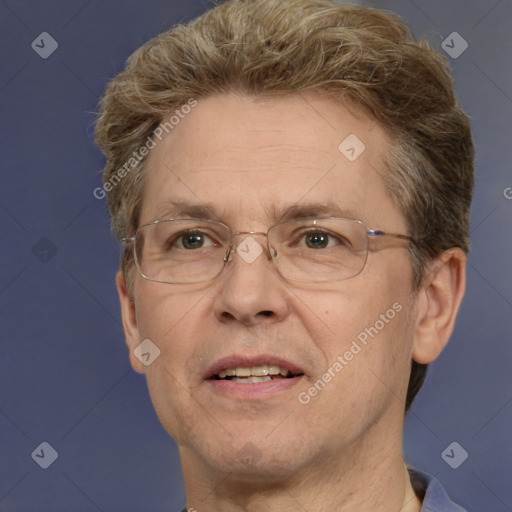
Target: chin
[(250, 461)]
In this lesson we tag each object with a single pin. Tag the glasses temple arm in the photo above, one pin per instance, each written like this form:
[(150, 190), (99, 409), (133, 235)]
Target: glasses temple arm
[(378, 232)]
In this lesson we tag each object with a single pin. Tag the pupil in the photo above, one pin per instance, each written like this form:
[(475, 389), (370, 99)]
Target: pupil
[(317, 240), (193, 241)]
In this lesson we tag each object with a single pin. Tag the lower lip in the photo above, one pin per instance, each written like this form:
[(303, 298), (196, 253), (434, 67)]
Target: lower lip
[(253, 391)]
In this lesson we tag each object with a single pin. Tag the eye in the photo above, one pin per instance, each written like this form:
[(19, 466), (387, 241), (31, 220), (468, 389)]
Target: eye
[(190, 240), (320, 239), (317, 240)]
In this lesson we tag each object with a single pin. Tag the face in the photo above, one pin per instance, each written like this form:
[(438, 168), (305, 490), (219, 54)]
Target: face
[(251, 161)]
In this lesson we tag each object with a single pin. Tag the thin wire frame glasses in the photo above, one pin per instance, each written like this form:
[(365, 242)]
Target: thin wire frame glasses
[(314, 250)]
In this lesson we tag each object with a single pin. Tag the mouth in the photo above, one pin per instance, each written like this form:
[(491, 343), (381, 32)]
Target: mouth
[(253, 378), (255, 374)]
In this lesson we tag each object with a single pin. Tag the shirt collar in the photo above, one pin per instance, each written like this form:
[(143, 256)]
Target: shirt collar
[(432, 493)]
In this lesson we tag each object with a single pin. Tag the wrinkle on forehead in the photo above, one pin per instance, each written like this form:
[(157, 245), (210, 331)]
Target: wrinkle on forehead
[(249, 158), (261, 158)]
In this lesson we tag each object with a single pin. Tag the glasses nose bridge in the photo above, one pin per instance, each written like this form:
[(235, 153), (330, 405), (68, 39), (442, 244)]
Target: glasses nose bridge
[(238, 233), (234, 246), (249, 233)]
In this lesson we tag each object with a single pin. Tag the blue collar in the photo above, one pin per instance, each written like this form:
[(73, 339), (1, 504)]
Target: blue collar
[(432, 493)]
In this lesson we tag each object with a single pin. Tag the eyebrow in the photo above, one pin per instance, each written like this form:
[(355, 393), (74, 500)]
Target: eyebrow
[(308, 210), (184, 209), (175, 209)]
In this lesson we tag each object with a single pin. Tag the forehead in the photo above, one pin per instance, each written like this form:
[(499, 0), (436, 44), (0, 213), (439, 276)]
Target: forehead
[(254, 159)]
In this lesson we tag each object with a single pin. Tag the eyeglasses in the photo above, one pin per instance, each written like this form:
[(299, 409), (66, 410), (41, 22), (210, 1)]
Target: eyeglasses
[(185, 251)]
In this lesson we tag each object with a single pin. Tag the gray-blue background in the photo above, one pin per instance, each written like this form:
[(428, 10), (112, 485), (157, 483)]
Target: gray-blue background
[(64, 371)]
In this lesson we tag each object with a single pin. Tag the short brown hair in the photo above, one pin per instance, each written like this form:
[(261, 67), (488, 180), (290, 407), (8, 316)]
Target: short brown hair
[(270, 48)]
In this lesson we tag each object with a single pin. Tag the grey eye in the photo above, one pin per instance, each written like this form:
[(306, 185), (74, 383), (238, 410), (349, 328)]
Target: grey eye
[(317, 240), (192, 240)]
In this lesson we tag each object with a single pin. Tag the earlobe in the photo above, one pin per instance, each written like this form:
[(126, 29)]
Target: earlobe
[(129, 317), (439, 301)]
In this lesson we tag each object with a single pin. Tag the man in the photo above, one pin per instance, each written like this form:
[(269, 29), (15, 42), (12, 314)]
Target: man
[(292, 182)]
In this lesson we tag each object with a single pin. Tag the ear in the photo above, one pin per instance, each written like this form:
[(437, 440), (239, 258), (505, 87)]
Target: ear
[(129, 318), (439, 301)]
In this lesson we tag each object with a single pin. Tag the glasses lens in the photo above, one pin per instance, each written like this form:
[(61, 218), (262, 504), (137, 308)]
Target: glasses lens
[(181, 251), (319, 250)]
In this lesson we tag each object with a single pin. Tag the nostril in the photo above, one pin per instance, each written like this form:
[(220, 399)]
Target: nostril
[(228, 316), (266, 313)]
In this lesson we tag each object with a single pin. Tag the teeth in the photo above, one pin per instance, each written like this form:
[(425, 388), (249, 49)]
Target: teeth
[(243, 372), (273, 370), (227, 373), (251, 380), (259, 371), (255, 371)]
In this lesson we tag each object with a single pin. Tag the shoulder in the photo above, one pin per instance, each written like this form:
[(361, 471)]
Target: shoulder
[(432, 493)]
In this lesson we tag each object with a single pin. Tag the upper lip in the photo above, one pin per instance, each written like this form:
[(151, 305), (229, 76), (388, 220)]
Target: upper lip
[(235, 361)]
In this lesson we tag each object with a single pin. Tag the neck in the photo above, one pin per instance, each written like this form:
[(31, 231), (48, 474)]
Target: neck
[(362, 478)]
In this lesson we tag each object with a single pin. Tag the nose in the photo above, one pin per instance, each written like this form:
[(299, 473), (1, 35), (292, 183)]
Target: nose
[(250, 290)]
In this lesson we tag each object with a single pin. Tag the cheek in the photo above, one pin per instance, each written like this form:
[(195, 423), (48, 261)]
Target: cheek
[(368, 361), (172, 321), (164, 312), (356, 309), (171, 398), (374, 335), (369, 334)]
